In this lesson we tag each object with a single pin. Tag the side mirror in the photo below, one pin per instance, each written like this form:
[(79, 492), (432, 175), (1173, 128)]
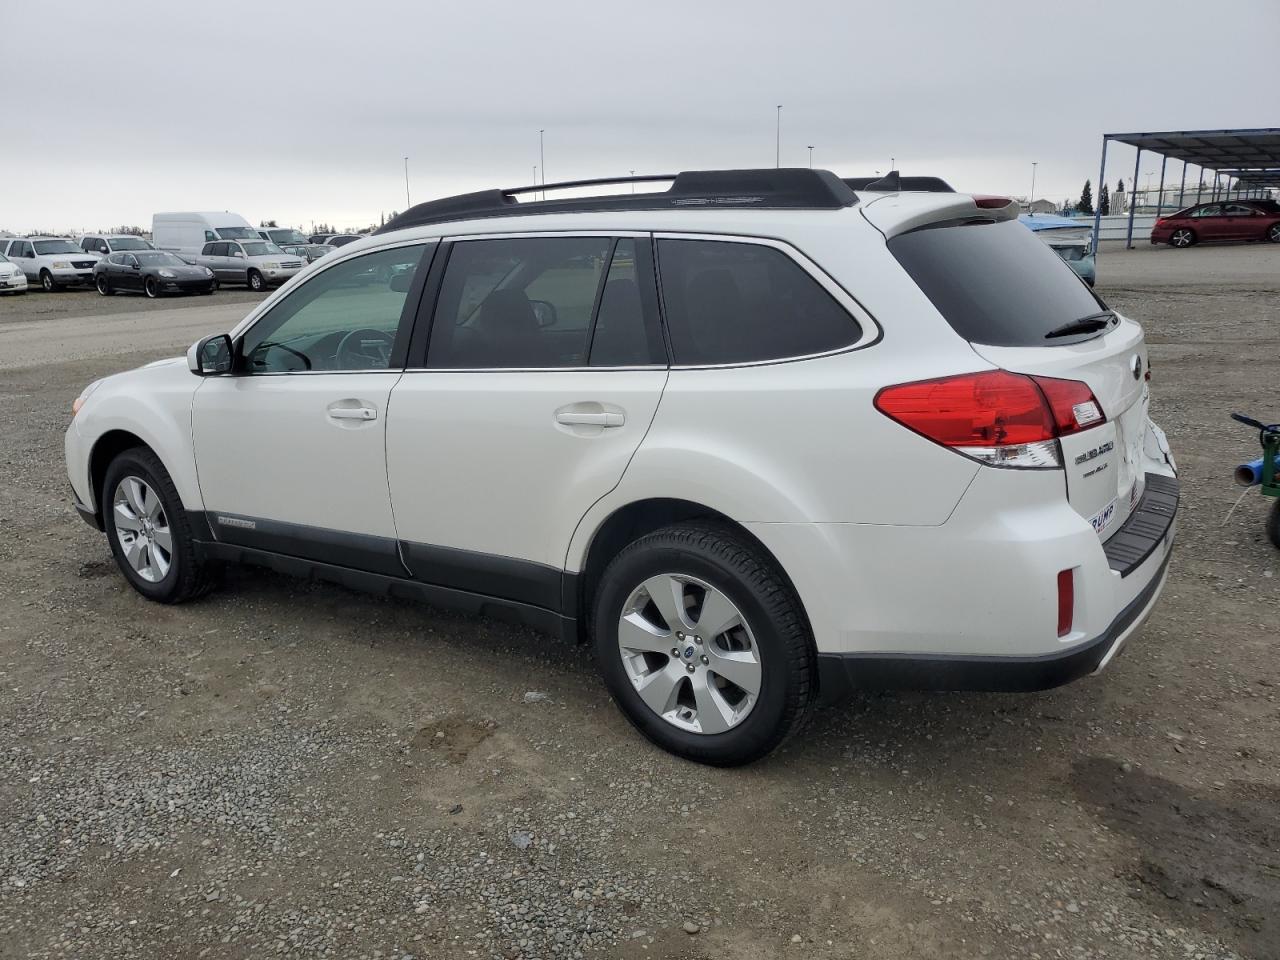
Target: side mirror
[(136, 265), (239, 254), (211, 356), (401, 282), (545, 312)]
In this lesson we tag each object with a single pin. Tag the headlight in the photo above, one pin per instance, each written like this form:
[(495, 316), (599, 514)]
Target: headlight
[(272, 266), (208, 272), (61, 265), (167, 274), (78, 404)]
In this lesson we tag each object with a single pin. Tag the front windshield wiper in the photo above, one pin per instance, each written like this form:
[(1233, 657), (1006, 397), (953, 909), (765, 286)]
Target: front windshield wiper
[(1087, 324)]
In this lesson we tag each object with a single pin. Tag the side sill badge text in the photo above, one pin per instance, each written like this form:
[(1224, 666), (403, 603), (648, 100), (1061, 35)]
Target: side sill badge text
[(236, 522)]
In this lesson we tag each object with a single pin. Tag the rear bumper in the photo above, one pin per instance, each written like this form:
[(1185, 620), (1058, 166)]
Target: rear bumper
[(840, 674)]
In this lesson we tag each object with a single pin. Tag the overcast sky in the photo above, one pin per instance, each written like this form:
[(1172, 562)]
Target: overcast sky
[(302, 112)]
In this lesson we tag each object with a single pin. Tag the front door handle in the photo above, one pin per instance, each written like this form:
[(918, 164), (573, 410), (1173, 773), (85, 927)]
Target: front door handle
[(337, 412), (575, 418)]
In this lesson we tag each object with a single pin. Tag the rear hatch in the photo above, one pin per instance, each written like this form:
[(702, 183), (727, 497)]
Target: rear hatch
[(1024, 310)]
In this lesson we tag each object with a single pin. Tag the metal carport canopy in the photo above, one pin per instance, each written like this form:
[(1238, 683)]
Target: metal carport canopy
[(1250, 155)]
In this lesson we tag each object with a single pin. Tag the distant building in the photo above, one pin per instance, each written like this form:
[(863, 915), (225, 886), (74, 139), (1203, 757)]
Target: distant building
[(1039, 206)]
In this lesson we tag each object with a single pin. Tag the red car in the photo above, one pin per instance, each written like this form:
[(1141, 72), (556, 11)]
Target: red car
[(1232, 220)]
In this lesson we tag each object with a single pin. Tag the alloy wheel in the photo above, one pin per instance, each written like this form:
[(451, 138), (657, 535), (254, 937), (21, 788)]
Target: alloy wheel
[(1182, 238), (142, 528), (1274, 233), (689, 653)]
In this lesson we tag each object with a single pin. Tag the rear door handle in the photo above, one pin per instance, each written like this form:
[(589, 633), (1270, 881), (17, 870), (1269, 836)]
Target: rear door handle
[(352, 413), (571, 418)]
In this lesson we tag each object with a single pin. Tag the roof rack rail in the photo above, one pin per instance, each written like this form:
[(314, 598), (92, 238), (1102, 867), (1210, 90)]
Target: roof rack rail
[(785, 188), (893, 183)]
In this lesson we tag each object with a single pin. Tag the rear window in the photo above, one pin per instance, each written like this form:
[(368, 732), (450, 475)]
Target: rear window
[(995, 283)]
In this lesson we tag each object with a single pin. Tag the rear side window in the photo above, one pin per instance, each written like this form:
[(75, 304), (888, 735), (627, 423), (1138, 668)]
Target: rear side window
[(731, 302), (995, 283)]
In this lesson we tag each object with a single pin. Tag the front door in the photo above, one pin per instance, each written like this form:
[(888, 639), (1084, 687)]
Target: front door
[(290, 449), (544, 370), (130, 273)]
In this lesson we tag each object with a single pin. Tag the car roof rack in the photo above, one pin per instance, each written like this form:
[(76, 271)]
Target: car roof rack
[(893, 183), (784, 188)]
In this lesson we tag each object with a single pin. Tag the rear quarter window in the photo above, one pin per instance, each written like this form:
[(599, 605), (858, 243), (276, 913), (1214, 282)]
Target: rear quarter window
[(738, 302), (995, 283)]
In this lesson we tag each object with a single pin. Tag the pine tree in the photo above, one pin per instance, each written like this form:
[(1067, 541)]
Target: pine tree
[(1104, 201), (1086, 198)]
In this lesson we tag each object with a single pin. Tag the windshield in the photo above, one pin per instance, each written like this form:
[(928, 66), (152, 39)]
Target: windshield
[(130, 243), (261, 249), (56, 246), (237, 233), (3, 258), (286, 236), (995, 283), (158, 258)]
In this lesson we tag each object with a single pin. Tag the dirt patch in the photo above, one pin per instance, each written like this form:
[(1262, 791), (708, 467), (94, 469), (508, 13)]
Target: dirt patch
[(1210, 859), (454, 737)]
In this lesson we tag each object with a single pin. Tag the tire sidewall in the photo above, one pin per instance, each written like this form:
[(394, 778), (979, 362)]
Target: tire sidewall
[(151, 288), (136, 463), (1273, 233), (256, 283), (47, 281), (1191, 238), (103, 285), (755, 735)]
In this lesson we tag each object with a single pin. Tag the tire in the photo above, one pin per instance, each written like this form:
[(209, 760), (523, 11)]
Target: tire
[(185, 576), (213, 288), (256, 283), (705, 560), (1273, 234), (103, 285), (151, 288), (46, 280), (1273, 523), (1182, 238)]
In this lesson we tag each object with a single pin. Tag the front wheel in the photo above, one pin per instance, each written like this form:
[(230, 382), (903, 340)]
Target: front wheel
[(148, 531), (1273, 234), (704, 644), (1182, 238), (256, 283), (46, 280), (151, 288), (103, 285)]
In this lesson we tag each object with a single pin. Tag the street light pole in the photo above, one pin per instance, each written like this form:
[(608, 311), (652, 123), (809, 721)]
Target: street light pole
[(1032, 198), (811, 156), (633, 182), (777, 148), (407, 202), (542, 159)]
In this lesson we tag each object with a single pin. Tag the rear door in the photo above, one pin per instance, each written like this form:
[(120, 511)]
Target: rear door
[(23, 254), (1240, 222), (542, 372), (1208, 222), (1009, 296)]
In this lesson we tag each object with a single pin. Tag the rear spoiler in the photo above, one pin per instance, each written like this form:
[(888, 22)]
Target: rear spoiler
[(893, 183), (896, 213)]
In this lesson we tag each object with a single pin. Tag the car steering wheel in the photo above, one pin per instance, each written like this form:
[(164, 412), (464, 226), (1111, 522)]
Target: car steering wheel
[(358, 350)]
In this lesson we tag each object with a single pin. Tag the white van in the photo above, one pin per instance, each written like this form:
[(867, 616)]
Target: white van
[(189, 232)]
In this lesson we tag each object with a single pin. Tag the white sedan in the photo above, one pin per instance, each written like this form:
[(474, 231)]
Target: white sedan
[(12, 279)]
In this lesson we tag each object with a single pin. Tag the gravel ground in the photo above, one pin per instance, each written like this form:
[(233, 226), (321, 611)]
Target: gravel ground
[(290, 769)]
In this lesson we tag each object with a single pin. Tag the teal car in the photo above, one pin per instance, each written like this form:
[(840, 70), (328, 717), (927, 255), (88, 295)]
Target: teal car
[(1070, 240)]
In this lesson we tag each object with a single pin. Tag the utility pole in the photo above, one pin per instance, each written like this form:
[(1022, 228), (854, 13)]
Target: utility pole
[(777, 157), (811, 156), (407, 203), (542, 159), (633, 182)]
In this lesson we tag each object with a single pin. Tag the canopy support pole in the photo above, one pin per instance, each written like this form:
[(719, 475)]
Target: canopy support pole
[(1160, 195), (1133, 207), (1182, 187), (1097, 207)]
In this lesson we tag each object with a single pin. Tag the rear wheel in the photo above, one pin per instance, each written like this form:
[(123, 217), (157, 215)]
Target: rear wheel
[(704, 645), (256, 282), (148, 531), (1273, 234), (1182, 238), (103, 285), (46, 280), (151, 288)]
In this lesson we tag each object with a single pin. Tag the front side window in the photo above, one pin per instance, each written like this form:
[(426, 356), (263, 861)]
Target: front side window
[(345, 318), (730, 302), (90, 243), (116, 258), (209, 235), (514, 303)]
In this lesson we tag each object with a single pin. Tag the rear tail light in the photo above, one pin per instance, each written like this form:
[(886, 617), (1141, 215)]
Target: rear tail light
[(1066, 601), (996, 417), (984, 202)]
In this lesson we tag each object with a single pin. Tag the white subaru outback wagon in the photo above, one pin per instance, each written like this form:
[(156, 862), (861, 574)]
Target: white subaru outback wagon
[(760, 437)]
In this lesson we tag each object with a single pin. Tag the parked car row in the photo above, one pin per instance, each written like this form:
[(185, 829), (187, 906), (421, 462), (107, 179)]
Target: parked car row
[(188, 253)]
